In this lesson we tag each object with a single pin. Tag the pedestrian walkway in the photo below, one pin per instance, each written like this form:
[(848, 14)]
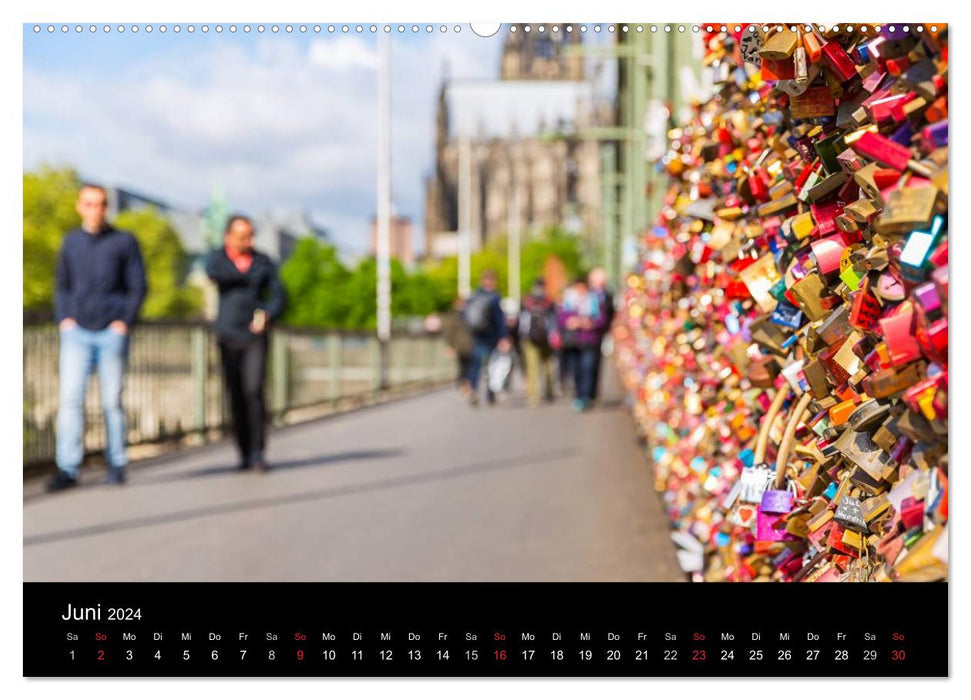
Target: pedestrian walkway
[(423, 489)]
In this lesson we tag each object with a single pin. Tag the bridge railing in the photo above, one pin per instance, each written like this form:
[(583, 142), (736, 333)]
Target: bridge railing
[(174, 393)]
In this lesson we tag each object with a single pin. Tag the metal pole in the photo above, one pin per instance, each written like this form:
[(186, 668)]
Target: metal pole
[(608, 159), (200, 376), (638, 164), (513, 263), (664, 88), (281, 380), (335, 358), (383, 247), (465, 214)]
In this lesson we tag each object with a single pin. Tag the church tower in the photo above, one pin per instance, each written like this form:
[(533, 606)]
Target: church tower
[(536, 55)]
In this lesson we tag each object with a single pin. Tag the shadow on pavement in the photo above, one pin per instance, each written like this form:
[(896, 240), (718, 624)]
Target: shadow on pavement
[(97, 479), (316, 461), (306, 496)]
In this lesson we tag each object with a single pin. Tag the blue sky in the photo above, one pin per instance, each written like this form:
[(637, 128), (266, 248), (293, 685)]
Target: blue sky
[(278, 122)]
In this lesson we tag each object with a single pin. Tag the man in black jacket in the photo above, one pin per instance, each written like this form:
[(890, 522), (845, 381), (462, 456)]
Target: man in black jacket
[(250, 297), (99, 288)]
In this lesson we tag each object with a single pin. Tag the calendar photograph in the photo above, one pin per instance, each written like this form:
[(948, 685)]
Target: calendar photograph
[(532, 308)]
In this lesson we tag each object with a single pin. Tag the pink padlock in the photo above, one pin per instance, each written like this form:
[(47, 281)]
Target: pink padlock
[(765, 530)]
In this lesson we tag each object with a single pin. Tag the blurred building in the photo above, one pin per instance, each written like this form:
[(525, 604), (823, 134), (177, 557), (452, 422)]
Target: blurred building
[(201, 230), (524, 139), (401, 239), (538, 55)]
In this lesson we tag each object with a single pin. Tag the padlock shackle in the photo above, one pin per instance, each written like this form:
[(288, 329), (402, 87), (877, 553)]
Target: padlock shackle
[(767, 420), (799, 412)]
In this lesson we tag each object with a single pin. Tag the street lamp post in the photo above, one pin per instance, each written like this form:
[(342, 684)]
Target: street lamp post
[(465, 214), (514, 243), (383, 222)]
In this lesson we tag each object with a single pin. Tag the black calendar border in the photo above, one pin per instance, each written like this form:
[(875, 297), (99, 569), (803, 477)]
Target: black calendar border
[(684, 609)]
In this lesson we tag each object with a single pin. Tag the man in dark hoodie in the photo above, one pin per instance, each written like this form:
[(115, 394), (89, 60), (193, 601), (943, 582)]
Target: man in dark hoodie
[(250, 298)]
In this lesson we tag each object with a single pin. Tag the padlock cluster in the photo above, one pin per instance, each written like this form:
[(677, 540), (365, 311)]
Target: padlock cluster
[(784, 334)]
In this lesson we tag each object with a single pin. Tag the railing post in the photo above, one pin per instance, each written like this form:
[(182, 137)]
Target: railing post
[(442, 364), (200, 377), (427, 361), (281, 380), (376, 373), (335, 358)]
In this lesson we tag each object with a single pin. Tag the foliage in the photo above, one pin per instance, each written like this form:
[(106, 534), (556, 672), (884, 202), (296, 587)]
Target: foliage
[(321, 290), (316, 283), (165, 265), (49, 198)]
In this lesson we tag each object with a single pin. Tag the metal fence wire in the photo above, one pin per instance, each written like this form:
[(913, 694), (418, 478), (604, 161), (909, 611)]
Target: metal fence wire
[(174, 390)]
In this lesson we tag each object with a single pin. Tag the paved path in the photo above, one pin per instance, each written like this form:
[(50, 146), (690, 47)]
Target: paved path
[(423, 489)]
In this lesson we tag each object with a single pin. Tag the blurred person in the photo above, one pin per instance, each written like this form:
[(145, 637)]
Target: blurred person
[(432, 323), (99, 289), (537, 322), (251, 297), (512, 311), (598, 286), (582, 317), (564, 343), (460, 343), (487, 322)]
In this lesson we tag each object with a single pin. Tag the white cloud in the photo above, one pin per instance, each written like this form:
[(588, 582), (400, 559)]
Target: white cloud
[(342, 53), (276, 123)]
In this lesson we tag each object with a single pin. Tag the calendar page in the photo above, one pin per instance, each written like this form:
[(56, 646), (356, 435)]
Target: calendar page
[(546, 349)]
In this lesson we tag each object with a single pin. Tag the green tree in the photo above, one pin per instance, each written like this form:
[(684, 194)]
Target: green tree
[(553, 242), (414, 294), (49, 197), (362, 294), (316, 281), (166, 263), (443, 278), (443, 274)]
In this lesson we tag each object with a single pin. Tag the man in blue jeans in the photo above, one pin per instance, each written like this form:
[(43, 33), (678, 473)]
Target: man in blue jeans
[(99, 288)]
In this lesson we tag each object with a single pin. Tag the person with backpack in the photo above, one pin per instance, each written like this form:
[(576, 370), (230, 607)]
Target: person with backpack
[(583, 320), (460, 344), (537, 321), (487, 323)]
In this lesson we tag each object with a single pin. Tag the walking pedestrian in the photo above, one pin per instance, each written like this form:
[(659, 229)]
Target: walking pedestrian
[(460, 343), (583, 319), (598, 286), (251, 297), (99, 289), (536, 323), (487, 323), (564, 342)]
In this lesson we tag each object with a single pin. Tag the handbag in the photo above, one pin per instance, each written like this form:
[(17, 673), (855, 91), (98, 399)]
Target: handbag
[(500, 367)]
